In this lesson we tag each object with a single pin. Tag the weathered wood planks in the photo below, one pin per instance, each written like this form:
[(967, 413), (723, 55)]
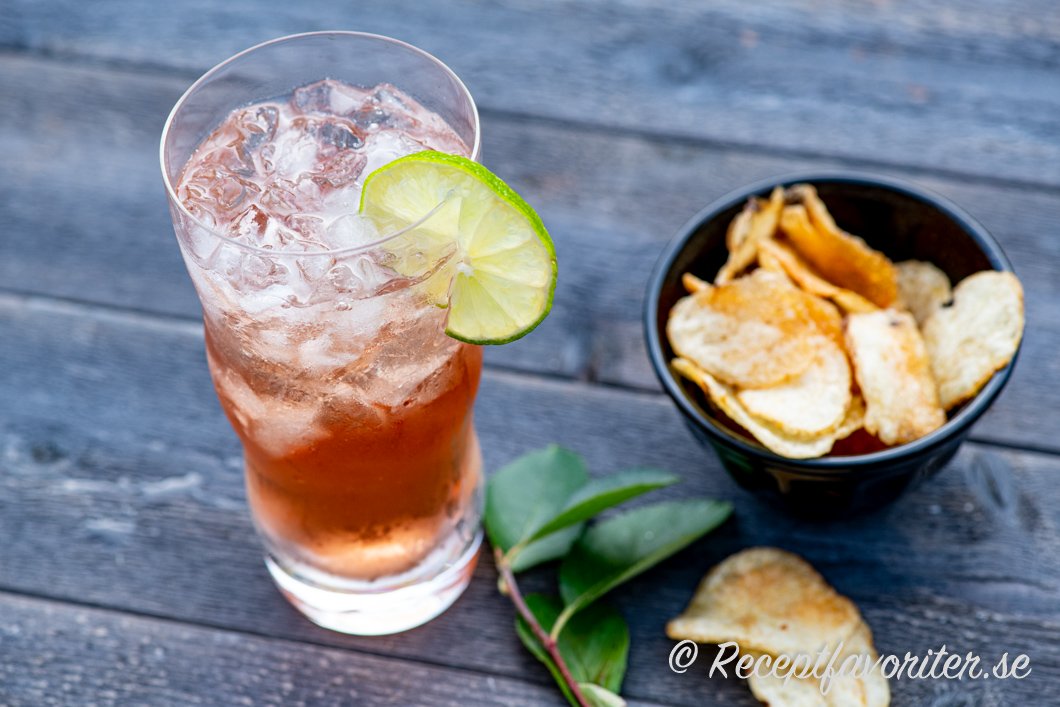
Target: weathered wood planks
[(120, 487), (962, 88), (85, 218), (58, 654)]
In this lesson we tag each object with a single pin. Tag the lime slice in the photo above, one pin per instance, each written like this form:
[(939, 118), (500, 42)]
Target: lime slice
[(503, 271)]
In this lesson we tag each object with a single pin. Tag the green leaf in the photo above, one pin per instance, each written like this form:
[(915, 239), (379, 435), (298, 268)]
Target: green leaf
[(600, 697), (552, 547), (600, 494), (595, 644), (527, 493), (621, 547)]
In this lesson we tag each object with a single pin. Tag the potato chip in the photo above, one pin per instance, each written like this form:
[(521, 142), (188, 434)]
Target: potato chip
[(740, 227), (826, 318), (854, 420), (794, 692), (767, 600), (844, 691), (868, 687), (756, 223), (693, 284), (810, 405), (840, 258), (770, 436), (976, 336), (773, 254), (923, 288), (751, 332), (892, 370), (877, 691)]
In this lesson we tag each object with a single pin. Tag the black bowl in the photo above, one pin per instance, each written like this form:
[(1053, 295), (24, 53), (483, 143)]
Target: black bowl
[(899, 219)]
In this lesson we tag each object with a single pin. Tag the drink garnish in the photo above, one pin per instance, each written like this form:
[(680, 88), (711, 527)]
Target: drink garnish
[(504, 269)]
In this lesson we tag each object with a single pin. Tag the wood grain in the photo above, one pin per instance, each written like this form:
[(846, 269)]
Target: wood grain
[(120, 487), (56, 654), (86, 218), (892, 82)]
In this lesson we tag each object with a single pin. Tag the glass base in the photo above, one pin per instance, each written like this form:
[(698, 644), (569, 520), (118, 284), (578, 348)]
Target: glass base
[(378, 610)]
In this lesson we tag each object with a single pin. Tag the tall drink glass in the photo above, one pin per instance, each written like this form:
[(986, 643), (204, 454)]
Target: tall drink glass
[(325, 345)]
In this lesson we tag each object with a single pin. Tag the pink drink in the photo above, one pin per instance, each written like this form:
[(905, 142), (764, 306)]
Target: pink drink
[(353, 406)]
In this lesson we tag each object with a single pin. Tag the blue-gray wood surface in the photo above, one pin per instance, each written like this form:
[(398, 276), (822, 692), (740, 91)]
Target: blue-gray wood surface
[(129, 571)]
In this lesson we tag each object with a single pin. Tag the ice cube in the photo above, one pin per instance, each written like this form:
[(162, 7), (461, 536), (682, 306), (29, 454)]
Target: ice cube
[(349, 231), (296, 151), (385, 146), (314, 269), (278, 197), (308, 228), (342, 278), (254, 127), (257, 272), (343, 169), (312, 98), (277, 425), (369, 276), (345, 99), (340, 135), (222, 190), (251, 225)]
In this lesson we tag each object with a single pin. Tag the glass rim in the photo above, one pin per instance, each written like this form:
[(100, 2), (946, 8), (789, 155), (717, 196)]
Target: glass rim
[(175, 201)]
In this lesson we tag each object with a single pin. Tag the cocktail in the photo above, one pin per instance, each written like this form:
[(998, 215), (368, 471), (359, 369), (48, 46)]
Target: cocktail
[(349, 257)]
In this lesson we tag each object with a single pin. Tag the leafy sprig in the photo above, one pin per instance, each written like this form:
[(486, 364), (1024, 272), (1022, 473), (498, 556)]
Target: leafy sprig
[(538, 510)]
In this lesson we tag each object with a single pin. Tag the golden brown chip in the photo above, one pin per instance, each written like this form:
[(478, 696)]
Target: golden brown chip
[(740, 227), (877, 691), (922, 287), (840, 258), (756, 223), (868, 687), (795, 692), (751, 332), (976, 336), (773, 254), (693, 284), (768, 435), (767, 600), (773, 603), (812, 404), (893, 372), (826, 318), (854, 420)]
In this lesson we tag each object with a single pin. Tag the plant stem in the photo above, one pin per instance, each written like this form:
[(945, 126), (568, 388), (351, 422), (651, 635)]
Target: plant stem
[(546, 640)]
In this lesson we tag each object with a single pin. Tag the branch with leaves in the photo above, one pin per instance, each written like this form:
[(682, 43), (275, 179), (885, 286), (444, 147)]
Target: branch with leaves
[(537, 511)]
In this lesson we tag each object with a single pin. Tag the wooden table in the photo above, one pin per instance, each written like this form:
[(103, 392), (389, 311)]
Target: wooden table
[(129, 571)]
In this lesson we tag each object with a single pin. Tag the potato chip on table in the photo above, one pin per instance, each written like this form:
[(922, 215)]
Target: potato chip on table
[(771, 602), (892, 370), (869, 688), (975, 336)]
